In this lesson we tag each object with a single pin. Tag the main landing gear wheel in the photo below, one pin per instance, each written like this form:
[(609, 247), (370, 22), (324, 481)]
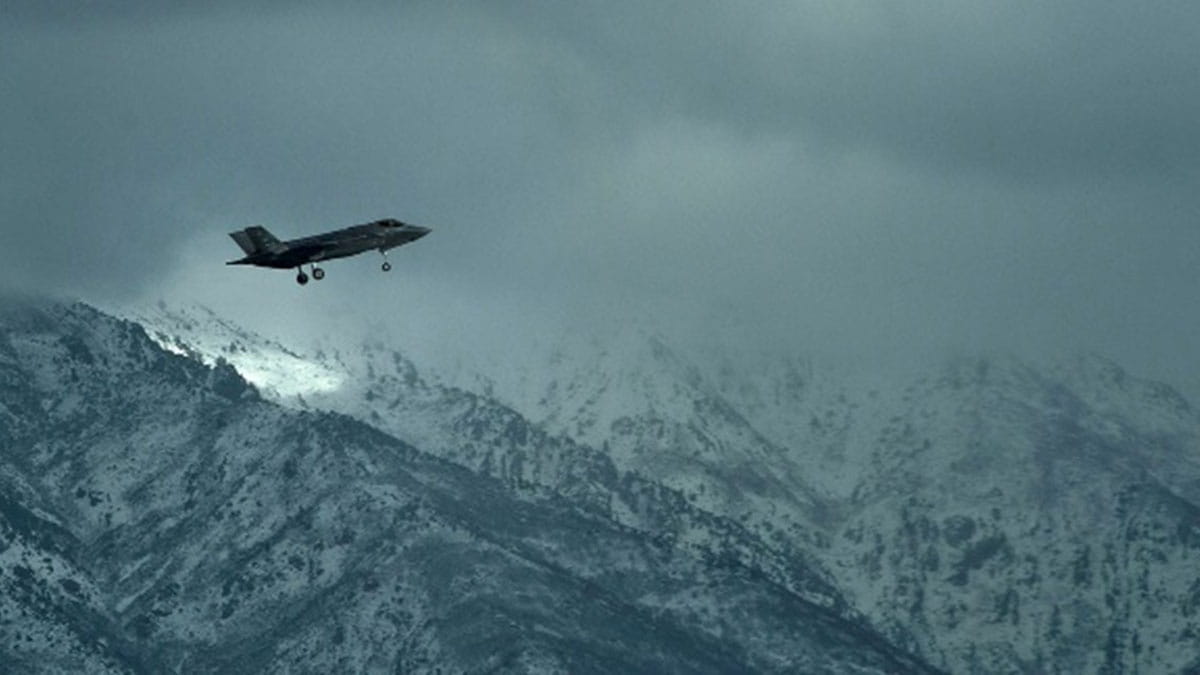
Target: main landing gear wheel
[(318, 273), (301, 278), (386, 267)]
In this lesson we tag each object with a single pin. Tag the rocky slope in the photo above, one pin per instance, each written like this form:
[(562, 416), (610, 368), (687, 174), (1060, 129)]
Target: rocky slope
[(987, 514), (159, 515), (990, 515)]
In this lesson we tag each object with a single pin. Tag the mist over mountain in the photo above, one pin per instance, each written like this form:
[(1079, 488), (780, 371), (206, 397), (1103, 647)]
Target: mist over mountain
[(879, 182)]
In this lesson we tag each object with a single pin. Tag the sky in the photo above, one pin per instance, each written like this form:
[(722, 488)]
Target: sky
[(873, 180)]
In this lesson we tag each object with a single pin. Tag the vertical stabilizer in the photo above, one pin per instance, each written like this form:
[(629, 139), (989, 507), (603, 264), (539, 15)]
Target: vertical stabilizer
[(255, 239)]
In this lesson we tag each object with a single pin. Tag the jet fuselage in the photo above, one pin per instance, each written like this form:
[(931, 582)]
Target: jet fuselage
[(266, 251)]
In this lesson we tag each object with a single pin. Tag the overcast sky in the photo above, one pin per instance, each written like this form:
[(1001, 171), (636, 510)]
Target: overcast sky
[(863, 178)]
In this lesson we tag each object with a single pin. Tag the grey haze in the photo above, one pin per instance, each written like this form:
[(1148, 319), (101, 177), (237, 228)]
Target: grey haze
[(854, 177)]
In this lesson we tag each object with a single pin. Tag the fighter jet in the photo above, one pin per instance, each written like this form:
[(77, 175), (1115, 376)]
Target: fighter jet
[(264, 250)]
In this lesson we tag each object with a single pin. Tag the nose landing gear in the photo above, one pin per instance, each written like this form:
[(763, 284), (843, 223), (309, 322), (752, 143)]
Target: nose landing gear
[(318, 273), (386, 266)]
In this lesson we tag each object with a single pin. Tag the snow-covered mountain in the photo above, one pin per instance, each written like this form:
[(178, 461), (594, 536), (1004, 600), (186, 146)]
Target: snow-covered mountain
[(1054, 513), (384, 389), (990, 515), (160, 515), (987, 514)]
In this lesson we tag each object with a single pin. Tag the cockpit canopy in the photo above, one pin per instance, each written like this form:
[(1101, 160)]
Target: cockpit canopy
[(389, 222)]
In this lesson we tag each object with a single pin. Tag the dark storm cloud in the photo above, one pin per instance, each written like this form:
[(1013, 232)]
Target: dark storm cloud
[(870, 175), (61, 13), (1029, 89)]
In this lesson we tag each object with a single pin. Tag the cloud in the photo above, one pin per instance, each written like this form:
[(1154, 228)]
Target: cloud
[(1027, 90), (849, 175)]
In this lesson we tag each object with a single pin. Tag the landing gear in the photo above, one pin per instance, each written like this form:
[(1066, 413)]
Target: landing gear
[(318, 273), (386, 266), (301, 278)]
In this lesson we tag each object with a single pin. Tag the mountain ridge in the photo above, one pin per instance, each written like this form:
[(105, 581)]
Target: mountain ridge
[(217, 531), (954, 508)]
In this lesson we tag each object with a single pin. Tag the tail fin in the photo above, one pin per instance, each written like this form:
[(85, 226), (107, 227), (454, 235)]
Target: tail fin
[(254, 239)]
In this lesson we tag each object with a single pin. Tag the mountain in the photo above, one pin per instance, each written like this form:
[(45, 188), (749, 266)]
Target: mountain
[(381, 387), (986, 514), (160, 515), (989, 515), (1053, 512)]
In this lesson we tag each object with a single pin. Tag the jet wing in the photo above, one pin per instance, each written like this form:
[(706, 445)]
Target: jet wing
[(309, 252)]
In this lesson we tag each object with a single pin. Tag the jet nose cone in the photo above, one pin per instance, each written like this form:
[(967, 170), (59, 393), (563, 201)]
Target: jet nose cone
[(420, 231)]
